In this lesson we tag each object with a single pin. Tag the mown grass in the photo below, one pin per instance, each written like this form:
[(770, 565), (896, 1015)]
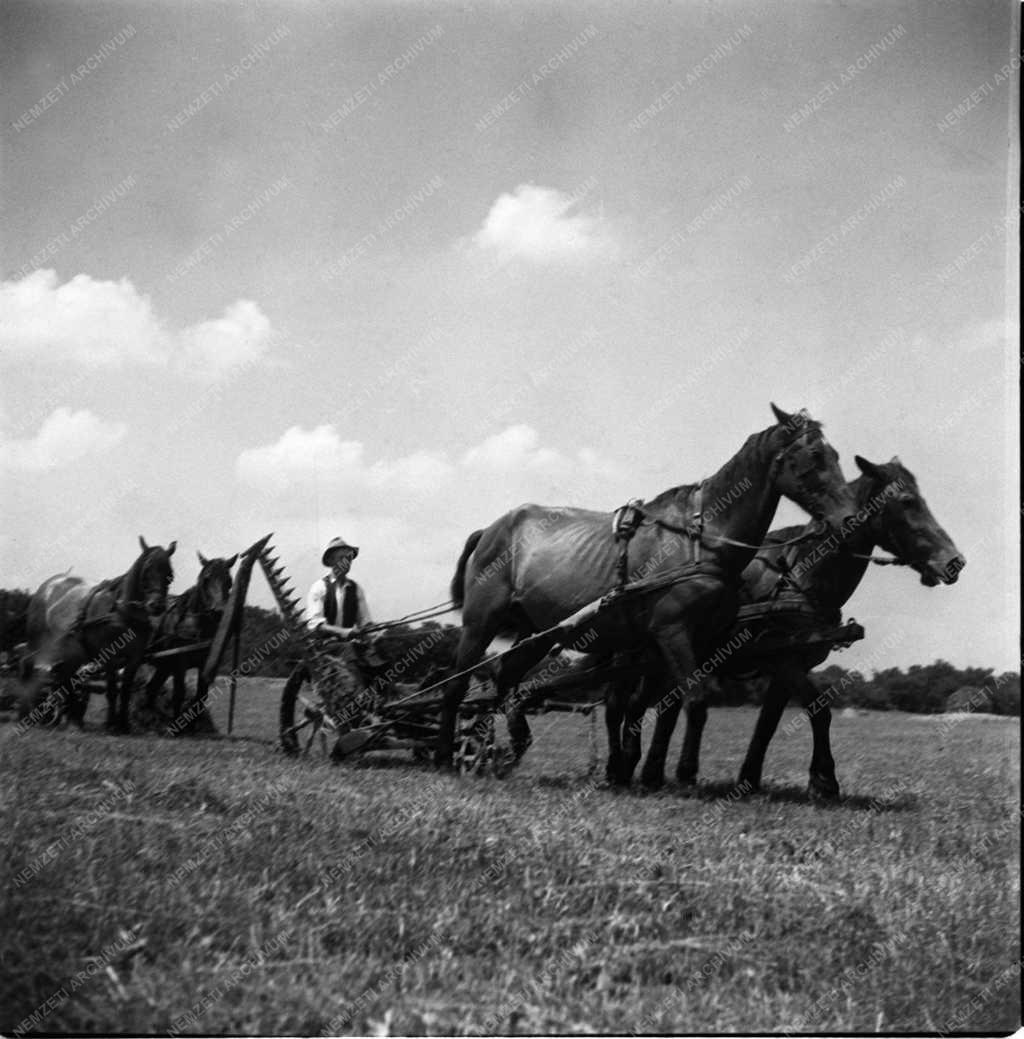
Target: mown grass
[(384, 897)]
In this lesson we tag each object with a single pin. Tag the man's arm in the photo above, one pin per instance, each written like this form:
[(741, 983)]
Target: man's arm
[(362, 610), (315, 605)]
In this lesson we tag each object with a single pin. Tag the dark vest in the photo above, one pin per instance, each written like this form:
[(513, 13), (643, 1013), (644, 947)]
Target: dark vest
[(349, 603)]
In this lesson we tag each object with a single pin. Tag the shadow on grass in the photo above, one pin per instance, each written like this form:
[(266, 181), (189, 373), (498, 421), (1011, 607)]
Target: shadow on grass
[(728, 790)]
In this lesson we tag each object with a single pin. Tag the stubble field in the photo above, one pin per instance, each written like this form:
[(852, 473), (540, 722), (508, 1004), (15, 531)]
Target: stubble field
[(204, 886)]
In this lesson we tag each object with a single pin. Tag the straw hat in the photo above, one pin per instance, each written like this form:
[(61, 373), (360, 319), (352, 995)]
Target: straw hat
[(334, 545)]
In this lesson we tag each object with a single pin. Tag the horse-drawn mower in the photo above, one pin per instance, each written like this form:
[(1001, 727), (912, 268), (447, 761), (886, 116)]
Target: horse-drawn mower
[(343, 698)]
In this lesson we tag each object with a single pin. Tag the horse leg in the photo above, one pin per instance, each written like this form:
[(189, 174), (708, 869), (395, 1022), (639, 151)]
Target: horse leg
[(155, 684), (823, 785), (666, 710), (127, 688), (472, 646), (178, 696), (64, 693), (689, 756), (632, 733), (616, 700), (767, 722), (712, 611), (202, 687), (112, 721), (515, 695), (69, 693)]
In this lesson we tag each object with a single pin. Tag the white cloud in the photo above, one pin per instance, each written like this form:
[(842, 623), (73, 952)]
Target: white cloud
[(498, 473), (95, 322), (302, 457), (108, 323), (534, 223), (514, 449), (64, 437), (214, 347)]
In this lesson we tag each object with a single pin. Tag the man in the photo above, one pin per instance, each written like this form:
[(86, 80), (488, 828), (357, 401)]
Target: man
[(336, 604)]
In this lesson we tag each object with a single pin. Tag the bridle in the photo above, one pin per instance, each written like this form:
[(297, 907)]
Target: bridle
[(128, 607)]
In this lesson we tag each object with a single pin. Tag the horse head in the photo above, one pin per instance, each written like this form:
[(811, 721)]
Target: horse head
[(146, 583), (806, 470), (214, 581), (901, 522)]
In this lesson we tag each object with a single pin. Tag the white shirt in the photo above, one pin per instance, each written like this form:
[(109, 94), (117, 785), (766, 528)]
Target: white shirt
[(315, 603)]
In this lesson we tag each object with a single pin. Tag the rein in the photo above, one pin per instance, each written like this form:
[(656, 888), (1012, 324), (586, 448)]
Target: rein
[(428, 612), (881, 560), (698, 533)]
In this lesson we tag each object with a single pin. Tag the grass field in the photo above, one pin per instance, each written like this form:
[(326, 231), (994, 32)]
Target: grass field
[(213, 885)]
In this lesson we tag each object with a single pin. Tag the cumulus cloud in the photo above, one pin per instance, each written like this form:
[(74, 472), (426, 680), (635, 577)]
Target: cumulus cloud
[(216, 346), (64, 437), (515, 448), (319, 457), (535, 223), (302, 456), (109, 323)]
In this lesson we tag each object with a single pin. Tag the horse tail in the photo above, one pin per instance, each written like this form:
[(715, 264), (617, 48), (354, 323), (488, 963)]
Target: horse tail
[(457, 587)]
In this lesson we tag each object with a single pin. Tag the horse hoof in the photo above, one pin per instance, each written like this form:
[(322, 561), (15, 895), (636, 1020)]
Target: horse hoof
[(823, 792), (651, 782)]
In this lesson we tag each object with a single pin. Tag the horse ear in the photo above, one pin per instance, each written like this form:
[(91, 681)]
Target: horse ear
[(142, 542), (781, 417), (202, 559), (869, 468), (895, 460), (171, 547), (231, 562)]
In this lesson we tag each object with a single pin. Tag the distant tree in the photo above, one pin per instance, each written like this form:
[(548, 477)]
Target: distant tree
[(921, 688), (1005, 689), (265, 643)]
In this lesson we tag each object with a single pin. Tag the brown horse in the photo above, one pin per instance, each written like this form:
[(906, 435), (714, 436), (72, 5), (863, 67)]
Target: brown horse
[(536, 566), (190, 617), (73, 626), (814, 578)]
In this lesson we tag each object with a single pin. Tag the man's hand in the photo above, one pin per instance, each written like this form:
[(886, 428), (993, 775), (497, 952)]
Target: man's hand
[(345, 633), (335, 630)]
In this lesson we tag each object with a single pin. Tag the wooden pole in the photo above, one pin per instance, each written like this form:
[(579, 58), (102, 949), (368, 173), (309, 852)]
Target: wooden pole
[(234, 679)]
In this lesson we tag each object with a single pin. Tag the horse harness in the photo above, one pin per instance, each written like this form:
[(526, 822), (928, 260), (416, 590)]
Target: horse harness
[(132, 612), (186, 620)]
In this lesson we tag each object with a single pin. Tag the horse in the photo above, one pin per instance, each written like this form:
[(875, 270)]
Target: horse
[(71, 624), (534, 566), (815, 576), (191, 617)]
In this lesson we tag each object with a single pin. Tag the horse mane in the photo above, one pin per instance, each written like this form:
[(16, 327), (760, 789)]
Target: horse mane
[(673, 494)]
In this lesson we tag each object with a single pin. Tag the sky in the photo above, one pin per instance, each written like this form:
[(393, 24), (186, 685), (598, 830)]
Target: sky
[(388, 270)]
